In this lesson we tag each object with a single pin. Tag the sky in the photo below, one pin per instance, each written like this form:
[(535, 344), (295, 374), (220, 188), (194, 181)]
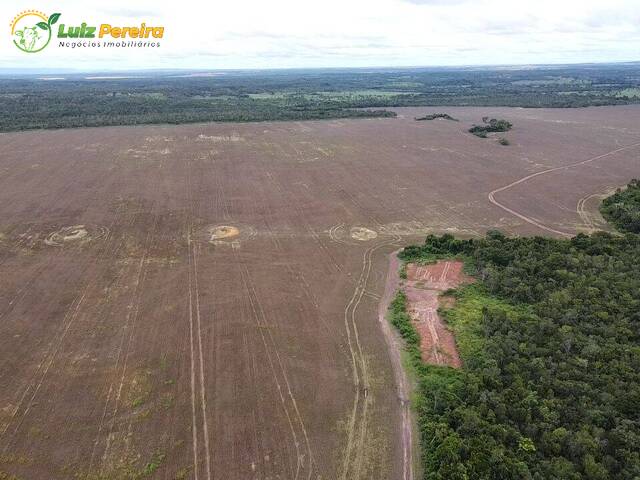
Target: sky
[(259, 34)]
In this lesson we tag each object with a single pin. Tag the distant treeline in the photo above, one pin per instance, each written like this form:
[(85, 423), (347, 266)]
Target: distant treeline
[(67, 109), (623, 208), (172, 97), (550, 339)]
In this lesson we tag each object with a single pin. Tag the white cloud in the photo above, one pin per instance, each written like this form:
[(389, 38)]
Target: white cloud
[(338, 33)]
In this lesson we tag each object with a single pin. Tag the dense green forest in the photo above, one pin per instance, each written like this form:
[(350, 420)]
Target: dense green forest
[(29, 101), (623, 208), (550, 339)]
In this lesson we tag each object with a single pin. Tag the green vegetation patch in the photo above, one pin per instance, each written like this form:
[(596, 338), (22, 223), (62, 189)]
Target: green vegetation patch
[(490, 126), (623, 208), (550, 339), (401, 320), (128, 469), (8, 476), (141, 388), (464, 318)]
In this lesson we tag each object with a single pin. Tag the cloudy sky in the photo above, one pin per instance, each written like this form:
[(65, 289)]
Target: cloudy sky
[(342, 33)]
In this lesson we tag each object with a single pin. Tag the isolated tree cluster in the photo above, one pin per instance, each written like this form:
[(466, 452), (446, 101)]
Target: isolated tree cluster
[(490, 126)]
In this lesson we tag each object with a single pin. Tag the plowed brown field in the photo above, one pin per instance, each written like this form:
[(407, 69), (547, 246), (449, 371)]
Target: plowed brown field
[(200, 301)]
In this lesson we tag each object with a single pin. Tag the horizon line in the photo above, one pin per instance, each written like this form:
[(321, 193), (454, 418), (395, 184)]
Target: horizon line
[(74, 71)]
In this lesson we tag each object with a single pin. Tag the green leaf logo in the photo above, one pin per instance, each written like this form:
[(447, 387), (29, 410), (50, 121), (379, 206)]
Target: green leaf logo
[(43, 26), (54, 18)]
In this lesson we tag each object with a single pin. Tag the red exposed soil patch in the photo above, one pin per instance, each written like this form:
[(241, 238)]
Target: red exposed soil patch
[(423, 287)]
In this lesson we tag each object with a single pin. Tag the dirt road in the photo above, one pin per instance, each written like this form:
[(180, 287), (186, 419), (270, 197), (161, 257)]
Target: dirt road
[(402, 383), (579, 210)]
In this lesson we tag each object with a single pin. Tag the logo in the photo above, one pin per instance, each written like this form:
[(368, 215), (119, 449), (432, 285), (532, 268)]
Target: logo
[(31, 30)]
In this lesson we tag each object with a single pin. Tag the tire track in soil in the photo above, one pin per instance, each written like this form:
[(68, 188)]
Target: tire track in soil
[(321, 246), (57, 201), (278, 246), (357, 357), (394, 200), (303, 219), (203, 399), (359, 371), (120, 349), (220, 201), (96, 441), (103, 254), (49, 363), (130, 326), (118, 359), (258, 316), (22, 292), (258, 313), (194, 292), (491, 195), (257, 424), (583, 214), (50, 355), (194, 424), (334, 236)]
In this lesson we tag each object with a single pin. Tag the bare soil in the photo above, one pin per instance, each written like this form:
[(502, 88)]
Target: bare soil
[(424, 287), (258, 355)]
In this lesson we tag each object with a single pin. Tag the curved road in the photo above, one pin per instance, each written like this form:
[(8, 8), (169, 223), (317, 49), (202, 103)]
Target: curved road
[(530, 220)]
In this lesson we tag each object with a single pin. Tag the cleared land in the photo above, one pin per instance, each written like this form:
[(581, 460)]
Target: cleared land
[(202, 301), (423, 287)]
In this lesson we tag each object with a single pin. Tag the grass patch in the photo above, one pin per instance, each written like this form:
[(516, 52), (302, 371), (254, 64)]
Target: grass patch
[(153, 465), (403, 271), (182, 473), (141, 388), (464, 318), (127, 470), (8, 476), (167, 401)]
